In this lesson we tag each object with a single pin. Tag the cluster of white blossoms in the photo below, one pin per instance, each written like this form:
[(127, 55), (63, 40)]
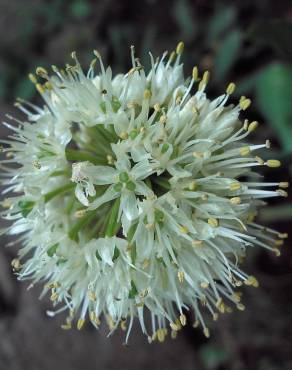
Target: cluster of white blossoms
[(135, 193)]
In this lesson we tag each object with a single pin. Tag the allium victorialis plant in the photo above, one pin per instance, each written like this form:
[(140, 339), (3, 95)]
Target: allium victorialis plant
[(134, 193)]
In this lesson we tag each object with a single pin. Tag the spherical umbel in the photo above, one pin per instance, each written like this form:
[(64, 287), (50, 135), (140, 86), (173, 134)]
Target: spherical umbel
[(135, 193)]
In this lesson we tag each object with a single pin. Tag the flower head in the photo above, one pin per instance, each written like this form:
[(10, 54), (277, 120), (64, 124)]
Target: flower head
[(135, 193)]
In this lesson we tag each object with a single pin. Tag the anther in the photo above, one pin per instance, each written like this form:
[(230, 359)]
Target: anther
[(252, 126), (273, 163), (230, 88), (183, 319), (181, 276), (180, 48), (80, 324), (213, 222)]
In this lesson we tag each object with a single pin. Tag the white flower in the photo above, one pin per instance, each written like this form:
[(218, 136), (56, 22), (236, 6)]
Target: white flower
[(135, 192)]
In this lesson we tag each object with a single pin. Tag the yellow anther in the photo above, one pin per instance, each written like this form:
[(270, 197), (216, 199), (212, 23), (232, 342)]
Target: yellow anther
[(6, 203), (157, 107), (245, 150), (54, 296), (162, 119), (160, 335), (252, 281), (240, 307), (282, 192), (48, 86), (213, 222), (192, 186), (259, 160), (215, 316), (110, 159), (40, 88), (147, 94), (145, 263), (33, 78), (67, 326), (178, 324), (244, 103), (123, 325), (79, 214), (195, 73), (206, 332), (277, 252), (92, 296), (279, 243), (273, 163), (204, 284), (174, 326), (183, 229), (173, 334), (40, 71), (283, 235), (150, 226), (80, 324), (37, 165), (237, 297), (206, 77), (235, 200), (268, 144), (110, 322), (124, 135), (183, 319), (197, 243), (15, 263), (251, 216), (198, 155), (230, 88), (181, 276), (284, 184), (172, 55), (180, 48), (234, 186), (252, 126)]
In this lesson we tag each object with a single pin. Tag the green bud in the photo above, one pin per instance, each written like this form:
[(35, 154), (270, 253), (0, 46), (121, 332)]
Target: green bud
[(130, 185), (123, 176), (118, 187)]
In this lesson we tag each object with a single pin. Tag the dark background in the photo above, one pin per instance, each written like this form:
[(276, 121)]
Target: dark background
[(247, 42)]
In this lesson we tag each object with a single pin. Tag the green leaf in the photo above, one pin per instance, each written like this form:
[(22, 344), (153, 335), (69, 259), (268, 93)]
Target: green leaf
[(61, 190), (112, 223), (80, 8), (221, 20), (213, 356), (273, 94), (182, 12), (73, 233), (227, 54)]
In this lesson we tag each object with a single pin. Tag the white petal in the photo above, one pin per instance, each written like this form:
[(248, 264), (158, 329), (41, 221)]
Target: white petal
[(109, 195), (129, 205), (80, 195)]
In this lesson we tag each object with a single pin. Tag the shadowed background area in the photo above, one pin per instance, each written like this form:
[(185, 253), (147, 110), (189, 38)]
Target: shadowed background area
[(247, 42)]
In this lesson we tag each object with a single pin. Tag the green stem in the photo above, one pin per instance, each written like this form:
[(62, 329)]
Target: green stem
[(61, 190), (77, 155), (112, 223), (73, 233)]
